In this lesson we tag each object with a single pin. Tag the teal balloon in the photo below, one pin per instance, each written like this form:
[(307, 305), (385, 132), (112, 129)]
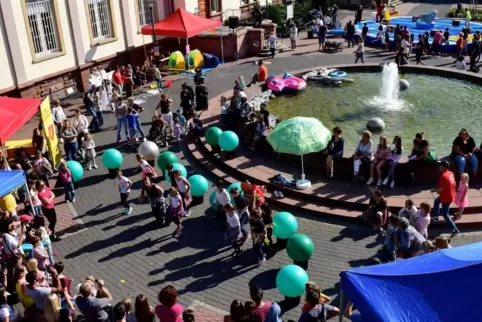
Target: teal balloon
[(212, 135), (285, 225), (291, 280), (165, 158), (176, 166), (199, 185), (112, 159), (76, 169), (228, 141), (300, 248)]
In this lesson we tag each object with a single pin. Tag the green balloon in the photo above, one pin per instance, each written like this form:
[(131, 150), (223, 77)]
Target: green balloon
[(285, 225), (165, 158), (291, 280), (228, 141), (76, 169), (176, 166), (212, 135), (300, 248), (199, 185), (112, 159)]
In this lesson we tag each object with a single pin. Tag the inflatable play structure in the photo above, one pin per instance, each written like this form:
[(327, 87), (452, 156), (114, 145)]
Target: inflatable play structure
[(427, 22), (327, 76), (195, 59), (286, 84)]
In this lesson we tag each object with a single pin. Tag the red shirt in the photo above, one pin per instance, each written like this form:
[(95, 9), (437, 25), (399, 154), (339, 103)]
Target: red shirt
[(459, 43), (405, 33), (117, 78), (262, 312), (262, 73), (447, 184), (46, 193), (126, 77)]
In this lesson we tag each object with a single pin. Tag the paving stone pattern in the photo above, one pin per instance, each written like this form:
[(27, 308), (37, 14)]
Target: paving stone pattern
[(134, 255)]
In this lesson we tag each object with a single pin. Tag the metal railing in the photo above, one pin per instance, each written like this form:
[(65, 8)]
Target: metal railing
[(42, 27), (100, 18)]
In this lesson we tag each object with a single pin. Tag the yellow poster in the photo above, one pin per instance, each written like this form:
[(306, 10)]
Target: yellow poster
[(50, 132)]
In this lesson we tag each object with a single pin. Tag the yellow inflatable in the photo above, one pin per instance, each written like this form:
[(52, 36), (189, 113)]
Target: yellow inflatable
[(8, 203), (469, 38), (386, 16)]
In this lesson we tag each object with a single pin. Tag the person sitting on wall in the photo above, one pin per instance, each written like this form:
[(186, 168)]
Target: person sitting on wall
[(261, 75)]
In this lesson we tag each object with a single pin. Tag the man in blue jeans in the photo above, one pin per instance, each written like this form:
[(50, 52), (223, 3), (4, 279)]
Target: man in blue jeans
[(446, 191), (121, 113)]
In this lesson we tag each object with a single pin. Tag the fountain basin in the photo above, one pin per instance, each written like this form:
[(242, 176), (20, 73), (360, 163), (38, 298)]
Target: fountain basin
[(437, 106)]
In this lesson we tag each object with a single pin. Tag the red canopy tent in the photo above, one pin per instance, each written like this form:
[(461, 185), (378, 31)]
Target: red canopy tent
[(15, 112), (183, 24)]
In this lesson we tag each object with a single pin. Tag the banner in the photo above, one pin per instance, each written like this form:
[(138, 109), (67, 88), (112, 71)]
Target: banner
[(50, 132)]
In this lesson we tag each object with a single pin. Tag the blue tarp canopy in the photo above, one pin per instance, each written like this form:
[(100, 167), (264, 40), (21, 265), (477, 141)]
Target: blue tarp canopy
[(10, 180), (445, 285)]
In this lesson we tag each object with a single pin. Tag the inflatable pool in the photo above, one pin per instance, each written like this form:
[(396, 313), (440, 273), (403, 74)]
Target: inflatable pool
[(337, 74), (327, 76), (286, 84), (436, 24)]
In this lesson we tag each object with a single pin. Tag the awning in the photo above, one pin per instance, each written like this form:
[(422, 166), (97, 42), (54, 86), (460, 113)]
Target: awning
[(15, 112)]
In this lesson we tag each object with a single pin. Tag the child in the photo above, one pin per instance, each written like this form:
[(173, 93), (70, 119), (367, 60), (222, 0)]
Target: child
[(446, 36), (32, 265), (196, 128), (66, 178), (224, 109), (428, 246), (267, 216), (132, 123), (188, 316), (323, 298), (40, 226), (442, 242), (145, 166), (421, 219), (40, 254), (36, 208), (177, 209), (408, 210), (124, 189), (182, 121), (177, 129), (221, 198), (98, 110), (241, 82), (460, 64), (462, 197), (389, 244), (89, 147), (130, 316), (233, 228)]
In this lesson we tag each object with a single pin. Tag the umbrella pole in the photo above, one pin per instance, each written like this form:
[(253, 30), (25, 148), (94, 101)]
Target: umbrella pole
[(302, 168), (29, 197), (303, 184)]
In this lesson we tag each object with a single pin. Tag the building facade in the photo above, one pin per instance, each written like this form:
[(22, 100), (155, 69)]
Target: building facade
[(52, 46)]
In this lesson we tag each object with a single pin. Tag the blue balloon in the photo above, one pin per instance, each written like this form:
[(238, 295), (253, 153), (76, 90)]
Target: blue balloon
[(176, 166), (228, 141), (291, 280)]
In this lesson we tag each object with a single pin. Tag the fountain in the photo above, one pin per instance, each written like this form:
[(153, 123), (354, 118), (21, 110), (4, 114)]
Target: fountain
[(423, 107), (387, 99)]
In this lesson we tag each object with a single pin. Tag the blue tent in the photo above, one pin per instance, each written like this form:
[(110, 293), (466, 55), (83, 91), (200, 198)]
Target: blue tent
[(10, 180), (445, 285)]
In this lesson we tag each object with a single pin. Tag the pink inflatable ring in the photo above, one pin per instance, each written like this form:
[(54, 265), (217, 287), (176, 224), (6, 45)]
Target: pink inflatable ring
[(286, 84)]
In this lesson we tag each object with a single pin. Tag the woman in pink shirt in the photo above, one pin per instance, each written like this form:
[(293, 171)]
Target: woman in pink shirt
[(46, 197), (169, 310)]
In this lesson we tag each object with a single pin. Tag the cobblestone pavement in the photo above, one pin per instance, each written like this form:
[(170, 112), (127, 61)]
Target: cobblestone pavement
[(134, 255)]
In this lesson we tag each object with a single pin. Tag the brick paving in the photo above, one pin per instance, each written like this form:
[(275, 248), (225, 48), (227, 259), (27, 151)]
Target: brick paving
[(136, 256)]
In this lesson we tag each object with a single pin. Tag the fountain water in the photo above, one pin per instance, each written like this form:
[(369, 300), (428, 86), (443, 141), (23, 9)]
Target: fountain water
[(388, 96)]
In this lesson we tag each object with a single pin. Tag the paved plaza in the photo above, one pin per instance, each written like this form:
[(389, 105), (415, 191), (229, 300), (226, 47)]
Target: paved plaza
[(135, 256)]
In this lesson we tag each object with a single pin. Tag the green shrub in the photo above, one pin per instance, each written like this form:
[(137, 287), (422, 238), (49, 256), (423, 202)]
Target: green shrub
[(476, 16)]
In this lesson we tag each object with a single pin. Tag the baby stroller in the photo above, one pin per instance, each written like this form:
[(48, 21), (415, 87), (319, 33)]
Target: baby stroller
[(157, 130)]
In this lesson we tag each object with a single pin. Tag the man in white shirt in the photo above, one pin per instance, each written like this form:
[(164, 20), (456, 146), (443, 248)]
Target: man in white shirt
[(81, 124), (273, 40), (404, 47), (221, 198), (58, 117)]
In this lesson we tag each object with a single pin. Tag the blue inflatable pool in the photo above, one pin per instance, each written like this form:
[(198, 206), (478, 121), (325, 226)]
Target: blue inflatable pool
[(339, 73), (335, 32), (438, 24)]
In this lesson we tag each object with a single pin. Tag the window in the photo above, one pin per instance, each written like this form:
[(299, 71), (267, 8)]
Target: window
[(145, 14), (215, 7), (43, 28), (100, 19)]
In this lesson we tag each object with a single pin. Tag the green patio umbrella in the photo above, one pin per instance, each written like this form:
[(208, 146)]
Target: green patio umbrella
[(300, 135)]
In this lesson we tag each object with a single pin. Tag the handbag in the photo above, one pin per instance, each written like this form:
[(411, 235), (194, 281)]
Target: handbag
[(431, 156)]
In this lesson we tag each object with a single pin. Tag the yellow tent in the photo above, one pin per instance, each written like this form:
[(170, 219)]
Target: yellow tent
[(177, 61), (195, 59)]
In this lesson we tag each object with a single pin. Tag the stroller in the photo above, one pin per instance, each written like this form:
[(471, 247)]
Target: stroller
[(157, 130)]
